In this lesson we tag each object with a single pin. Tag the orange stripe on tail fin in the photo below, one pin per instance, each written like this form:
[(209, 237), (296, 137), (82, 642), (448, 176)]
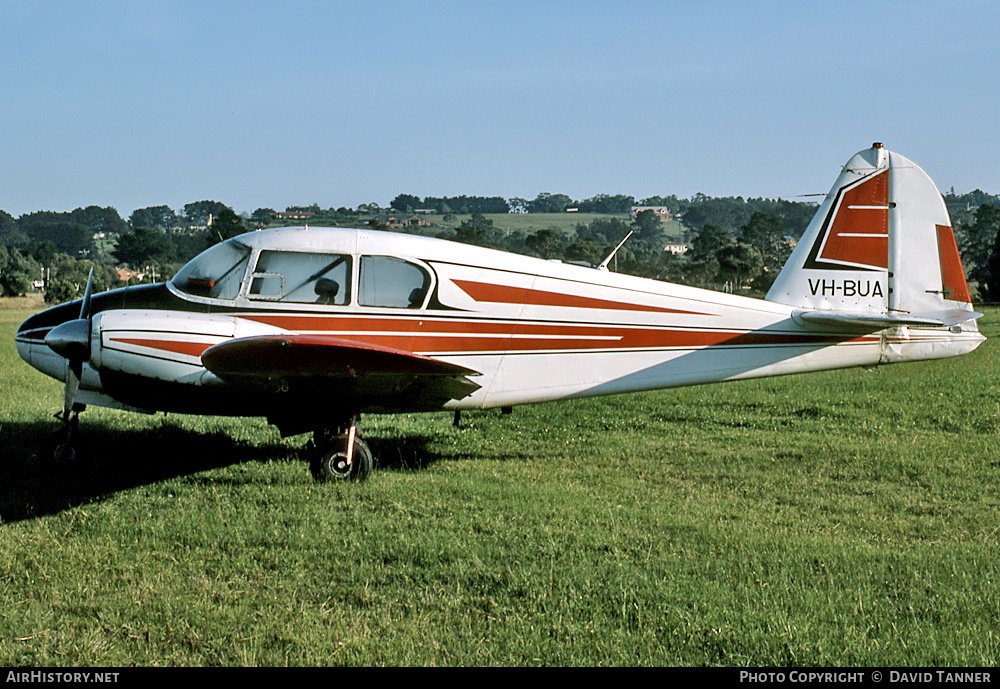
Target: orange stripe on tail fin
[(953, 283)]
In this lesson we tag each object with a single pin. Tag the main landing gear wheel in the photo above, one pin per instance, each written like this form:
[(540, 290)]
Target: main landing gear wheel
[(340, 457)]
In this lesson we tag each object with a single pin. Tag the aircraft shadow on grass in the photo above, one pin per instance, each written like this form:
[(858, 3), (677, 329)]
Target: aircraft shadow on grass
[(111, 461)]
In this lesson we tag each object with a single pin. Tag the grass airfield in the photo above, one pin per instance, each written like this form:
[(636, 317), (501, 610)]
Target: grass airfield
[(840, 518)]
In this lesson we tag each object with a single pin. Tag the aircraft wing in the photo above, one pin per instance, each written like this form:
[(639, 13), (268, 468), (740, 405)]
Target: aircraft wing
[(372, 376)]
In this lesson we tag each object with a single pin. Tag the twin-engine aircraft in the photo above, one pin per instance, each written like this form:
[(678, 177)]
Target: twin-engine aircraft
[(311, 327)]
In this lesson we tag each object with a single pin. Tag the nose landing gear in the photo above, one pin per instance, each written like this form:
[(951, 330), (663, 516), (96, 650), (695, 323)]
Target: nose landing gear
[(61, 448)]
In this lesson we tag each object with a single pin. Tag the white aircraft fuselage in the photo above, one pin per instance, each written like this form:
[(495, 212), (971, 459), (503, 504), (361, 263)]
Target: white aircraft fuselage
[(302, 325)]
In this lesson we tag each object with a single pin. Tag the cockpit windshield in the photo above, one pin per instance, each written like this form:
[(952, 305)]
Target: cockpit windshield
[(216, 273)]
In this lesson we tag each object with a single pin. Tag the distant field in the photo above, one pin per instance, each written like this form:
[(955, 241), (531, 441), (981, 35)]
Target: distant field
[(833, 519), (22, 305)]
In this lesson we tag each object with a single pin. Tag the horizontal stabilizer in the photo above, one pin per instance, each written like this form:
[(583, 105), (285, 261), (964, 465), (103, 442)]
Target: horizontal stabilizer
[(879, 321)]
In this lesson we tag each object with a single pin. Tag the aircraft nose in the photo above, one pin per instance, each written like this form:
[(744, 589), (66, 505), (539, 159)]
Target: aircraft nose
[(32, 334), (28, 337)]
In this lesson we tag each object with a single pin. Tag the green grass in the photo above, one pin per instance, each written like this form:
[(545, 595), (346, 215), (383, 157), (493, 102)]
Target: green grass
[(840, 518)]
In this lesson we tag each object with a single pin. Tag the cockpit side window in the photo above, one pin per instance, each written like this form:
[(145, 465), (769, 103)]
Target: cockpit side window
[(216, 273), (291, 276), (391, 282)]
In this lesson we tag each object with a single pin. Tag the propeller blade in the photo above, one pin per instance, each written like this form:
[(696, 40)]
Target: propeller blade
[(74, 370), (85, 306), (71, 339)]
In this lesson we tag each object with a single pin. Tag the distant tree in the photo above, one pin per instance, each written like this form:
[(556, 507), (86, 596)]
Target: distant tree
[(733, 213), (72, 232), (603, 203), (546, 243), (739, 263), (10, 233), (60, 290), (99, 219), (187, 245), (709, 241), (729, 214), (44, 252), (649, 228), (517, 205), (344, 212), (138, 247), (405, 203), (988, 275), (977, 244), (227, 224), (466, 204), (69, 279), (16, 272), (766, 233), (586, 251), (795, 216), (262, 215), (606, 231), (670, 202), (197, 213), (549, 203), (67, 236), (7, 223), (153, 217), (478, 230)]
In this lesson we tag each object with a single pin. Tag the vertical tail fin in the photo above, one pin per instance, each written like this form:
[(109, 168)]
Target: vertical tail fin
[(880, 244)]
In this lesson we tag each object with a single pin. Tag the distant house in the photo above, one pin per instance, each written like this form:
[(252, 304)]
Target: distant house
[(295, 215), (676, 249), (124, 274), (662, 212), (412, 221)]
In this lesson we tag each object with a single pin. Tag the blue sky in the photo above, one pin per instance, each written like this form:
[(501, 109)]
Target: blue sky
[(270, 104)]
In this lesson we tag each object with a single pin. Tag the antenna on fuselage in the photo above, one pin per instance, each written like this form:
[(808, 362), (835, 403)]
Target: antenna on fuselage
[(605, 262)]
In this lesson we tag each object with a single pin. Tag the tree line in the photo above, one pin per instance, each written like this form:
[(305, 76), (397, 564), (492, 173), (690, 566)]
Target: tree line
[(732, 242)]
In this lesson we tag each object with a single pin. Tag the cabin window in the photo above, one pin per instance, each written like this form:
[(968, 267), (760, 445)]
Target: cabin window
[(216, 273), (391, 282), (302, 278)]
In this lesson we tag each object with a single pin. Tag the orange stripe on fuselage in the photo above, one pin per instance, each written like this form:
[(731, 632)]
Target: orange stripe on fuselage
[(505, 294), (194, 349), (430, 336), (632, 339)]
